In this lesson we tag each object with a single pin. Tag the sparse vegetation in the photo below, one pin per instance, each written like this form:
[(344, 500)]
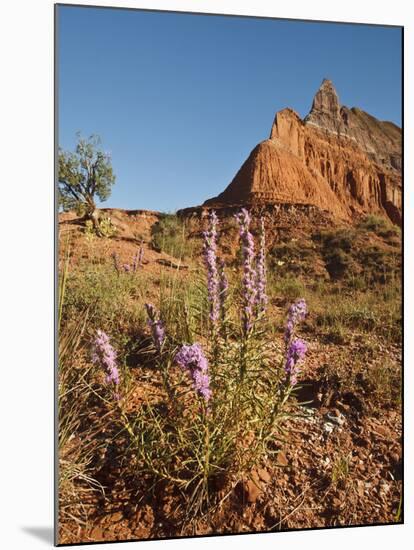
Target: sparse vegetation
[(170, 235), (153, 441)]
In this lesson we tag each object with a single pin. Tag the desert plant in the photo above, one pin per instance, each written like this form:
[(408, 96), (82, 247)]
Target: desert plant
[(379, 225), (84, 175), (224, 399), (341, 468), (75, 462), (169, 235)]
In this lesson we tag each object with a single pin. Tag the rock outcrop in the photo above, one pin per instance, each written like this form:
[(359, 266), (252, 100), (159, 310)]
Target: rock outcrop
[(341, 160)]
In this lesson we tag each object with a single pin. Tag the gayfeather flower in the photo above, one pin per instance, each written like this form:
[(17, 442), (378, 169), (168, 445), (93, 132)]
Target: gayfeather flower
[(104, 354), (210, 260), (297, 312), (223, 288), (156, 326), (248, 281), (261, 296), (193, 361), (295, 354)]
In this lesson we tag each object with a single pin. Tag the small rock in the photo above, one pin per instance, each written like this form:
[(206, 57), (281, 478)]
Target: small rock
[(328, 427), (382, 430), (337, 419), (395, 457), (117, 516), (249, 490), (281, 459), (264, 475), (252, 491), (96, 534), (326, 461)]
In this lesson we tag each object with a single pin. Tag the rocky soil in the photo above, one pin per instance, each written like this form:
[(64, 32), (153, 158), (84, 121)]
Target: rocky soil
[(339, 465)]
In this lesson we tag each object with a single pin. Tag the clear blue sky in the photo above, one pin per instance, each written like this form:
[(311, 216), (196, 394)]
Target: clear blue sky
[(181, 100)]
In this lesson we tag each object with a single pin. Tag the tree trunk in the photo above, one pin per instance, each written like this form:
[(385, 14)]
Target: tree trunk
[(92, 214)]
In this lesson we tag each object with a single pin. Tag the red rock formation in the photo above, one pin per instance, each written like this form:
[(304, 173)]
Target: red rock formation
[(338, 159)]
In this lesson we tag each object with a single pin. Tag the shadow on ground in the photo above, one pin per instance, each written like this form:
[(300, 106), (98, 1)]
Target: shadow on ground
[(42, 533)]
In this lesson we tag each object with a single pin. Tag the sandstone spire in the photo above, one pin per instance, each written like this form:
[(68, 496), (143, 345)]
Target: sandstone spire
[(338, 159), (326, 110)]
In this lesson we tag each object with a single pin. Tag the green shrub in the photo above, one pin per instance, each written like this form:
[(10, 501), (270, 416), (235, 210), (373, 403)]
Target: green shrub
[(379, 225), (337, 262), (380, 265), (341, 239), (169, 235), (113, 300), (289, 287), (293, 257), (336, 249)]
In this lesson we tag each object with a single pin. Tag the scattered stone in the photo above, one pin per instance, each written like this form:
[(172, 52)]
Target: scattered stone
[(114, 518), (282, 459), (328, 428), (264, 475), (97, 534), (335, 418), (250, 489)]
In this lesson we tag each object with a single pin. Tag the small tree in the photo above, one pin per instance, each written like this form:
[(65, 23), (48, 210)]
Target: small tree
[(83, 175)]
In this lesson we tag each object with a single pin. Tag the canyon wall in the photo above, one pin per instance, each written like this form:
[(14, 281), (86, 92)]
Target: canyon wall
[(341, 160)]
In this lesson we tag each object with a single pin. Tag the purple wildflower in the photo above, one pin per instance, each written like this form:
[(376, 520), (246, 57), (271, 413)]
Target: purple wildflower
[(192, 360), (223, 288), (157, 327), (261, 296), (126, 268), (104, 354), (297, 312), (249, 287), (295, 354), (210, 259)]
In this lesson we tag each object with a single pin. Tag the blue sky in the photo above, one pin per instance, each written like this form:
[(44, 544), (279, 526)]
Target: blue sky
[(181, 100)]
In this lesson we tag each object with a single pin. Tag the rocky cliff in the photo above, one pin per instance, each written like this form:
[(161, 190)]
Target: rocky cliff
[(341, 160)]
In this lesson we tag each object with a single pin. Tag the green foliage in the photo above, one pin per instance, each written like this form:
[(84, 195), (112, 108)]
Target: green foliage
[(183, 306), (336, 248), (169, 235), (337, 262), (104, 227), (341, 469), (380, 265), (89, 231), (75, 461), (363, 372), (339, 312), (289, 287), (379, 225), (198, 449), (195, 446), (385, 382), (293, 257), (83, 175), (114, 301)]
